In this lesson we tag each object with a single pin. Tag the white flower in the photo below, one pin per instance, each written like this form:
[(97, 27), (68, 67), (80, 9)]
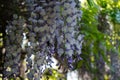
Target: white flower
[(64, 13), (38, 8), (42, 12), (66, 5), (33, 15), (69, 11), (33, 45), (60, 39), (52, 30), (70, 29), (80, 37), (46, 27), (42, 29), (49, 21), (69, 19), (57, 8), (32, 39), (31, 34), (67, 45), (53, 15), (68, 36), (45, 17), (44, 39), (73, 4), (79, 51), (15, 16), (72, 41), (33, 20), (60, 51), (69, 52), (73, 24), (77, 44), (36, 29), (40, 21), (74, 17), (49, 9)]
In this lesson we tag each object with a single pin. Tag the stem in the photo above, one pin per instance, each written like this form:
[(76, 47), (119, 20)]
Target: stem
[(22, 65)]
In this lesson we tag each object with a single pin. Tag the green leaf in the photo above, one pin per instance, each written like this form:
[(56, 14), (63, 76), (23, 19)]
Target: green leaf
[(90, 2), (80, 63)]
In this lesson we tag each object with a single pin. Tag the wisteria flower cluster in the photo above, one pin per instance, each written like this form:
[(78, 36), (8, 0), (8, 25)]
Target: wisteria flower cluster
[(54, 24), (14, 37), (51, 30)]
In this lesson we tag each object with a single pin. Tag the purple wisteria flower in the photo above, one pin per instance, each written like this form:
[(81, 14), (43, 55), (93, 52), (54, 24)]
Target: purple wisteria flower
[(51, 31)]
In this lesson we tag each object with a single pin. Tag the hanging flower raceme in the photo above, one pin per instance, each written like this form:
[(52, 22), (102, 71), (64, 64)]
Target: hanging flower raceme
[(14, 37), (52, 30), (53, 25)]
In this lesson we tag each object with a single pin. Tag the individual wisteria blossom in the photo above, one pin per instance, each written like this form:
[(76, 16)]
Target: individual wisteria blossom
[(52, 30)]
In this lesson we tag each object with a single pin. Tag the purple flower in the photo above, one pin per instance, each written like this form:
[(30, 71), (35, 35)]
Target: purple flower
[(70, 66), (79, 57), (70, 60)]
